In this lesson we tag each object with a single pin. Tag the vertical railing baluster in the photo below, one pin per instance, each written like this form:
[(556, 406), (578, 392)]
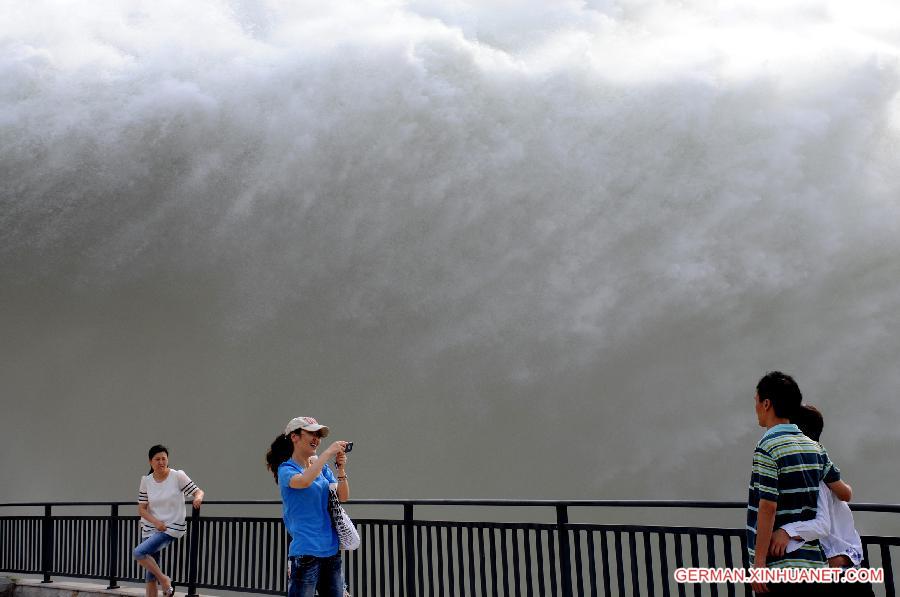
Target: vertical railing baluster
[(517, 568), (346, 561), (439, 550), (711, 562), (370, 548), (482, 561), (620, 565), (451, 576), (21, 530), (526, 550), (193, 552), (17, 555), (553, 562), (221, 554), (6, 546), (592, 563), (604, 559), (47, 543), (393, 554), (365, 557), (504, 561), (729, 562), (888, 570), (679, 560), (231, 547), (648, 565), (695, 558), (409, 551), (356, 558), (382, 567), (401, 550), (88, 532), (112, 559), (632, 554), (492, 550), (204, 576), (471, 546), (254, 569), (539, 549), (663, 564), (579, 564), (565, 558)]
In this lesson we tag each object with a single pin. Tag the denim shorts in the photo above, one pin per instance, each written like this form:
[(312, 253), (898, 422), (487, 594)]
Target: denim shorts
[(309, 573), (151, 546)]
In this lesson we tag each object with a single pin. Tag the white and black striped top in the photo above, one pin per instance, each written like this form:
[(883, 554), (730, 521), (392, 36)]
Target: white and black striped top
[(166, 501)]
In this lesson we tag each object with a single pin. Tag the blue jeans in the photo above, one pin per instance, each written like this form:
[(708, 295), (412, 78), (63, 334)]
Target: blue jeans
[(151, 546), (309, 573)]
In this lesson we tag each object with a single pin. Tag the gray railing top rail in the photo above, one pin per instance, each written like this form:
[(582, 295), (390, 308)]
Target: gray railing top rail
[(859, 507)]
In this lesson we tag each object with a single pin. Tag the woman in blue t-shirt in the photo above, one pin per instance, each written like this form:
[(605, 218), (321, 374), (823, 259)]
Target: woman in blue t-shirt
[(305, 481)]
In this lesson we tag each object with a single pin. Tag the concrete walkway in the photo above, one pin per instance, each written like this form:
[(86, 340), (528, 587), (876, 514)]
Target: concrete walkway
[(26, 587)]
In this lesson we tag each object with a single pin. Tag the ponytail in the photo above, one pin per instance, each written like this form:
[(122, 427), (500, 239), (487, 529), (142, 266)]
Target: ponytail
[(281, 450)]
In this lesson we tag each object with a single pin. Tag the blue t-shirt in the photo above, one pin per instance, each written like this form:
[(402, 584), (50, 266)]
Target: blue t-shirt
[(306, 512)]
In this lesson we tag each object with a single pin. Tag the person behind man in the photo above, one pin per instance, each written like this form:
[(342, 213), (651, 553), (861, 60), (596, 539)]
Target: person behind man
[(784, 483), (833, 525)]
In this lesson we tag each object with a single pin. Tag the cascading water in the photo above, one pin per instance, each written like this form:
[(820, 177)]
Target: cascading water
[(536, 249)]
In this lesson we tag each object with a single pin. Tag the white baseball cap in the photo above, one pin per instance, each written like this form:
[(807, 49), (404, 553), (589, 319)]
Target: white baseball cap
[(306, 424)]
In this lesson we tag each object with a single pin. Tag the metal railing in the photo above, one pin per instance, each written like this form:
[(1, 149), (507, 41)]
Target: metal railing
[(407, 556)]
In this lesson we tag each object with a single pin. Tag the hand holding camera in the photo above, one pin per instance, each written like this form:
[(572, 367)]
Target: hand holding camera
[(340, 456)]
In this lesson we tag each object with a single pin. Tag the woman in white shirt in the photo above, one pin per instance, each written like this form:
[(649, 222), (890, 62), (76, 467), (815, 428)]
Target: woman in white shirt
[(161, 507), (833, 525)]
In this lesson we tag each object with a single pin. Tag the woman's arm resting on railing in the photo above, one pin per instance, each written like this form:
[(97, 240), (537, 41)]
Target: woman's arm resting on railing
[(198, 498)]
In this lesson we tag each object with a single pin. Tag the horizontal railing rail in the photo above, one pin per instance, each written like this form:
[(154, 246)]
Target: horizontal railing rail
[(406, 555)]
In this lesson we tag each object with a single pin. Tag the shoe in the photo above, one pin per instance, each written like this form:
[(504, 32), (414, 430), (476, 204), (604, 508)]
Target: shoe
[(169, 592)]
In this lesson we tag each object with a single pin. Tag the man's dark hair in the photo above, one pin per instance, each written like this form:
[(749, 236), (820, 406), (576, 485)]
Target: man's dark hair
[(782, 391), (810, 421)]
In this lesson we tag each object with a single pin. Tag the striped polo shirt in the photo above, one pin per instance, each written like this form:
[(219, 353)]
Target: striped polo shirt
[(787, 469)]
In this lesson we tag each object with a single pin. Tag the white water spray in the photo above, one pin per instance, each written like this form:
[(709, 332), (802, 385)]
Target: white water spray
[(517, 229)]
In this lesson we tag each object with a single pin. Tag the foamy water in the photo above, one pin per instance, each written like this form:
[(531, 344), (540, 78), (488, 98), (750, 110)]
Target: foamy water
[(546, 236)]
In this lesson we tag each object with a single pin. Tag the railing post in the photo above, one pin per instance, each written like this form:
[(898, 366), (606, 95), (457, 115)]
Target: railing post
[(565, 558), (47, 543), (112, 560), (193, 552), (409, 550)]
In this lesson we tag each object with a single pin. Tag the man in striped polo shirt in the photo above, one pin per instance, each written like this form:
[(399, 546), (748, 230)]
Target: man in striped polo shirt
[(784, 484)]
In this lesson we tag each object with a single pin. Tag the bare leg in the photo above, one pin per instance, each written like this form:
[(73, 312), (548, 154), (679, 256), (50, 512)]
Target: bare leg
[(151, 588), (150, 564)]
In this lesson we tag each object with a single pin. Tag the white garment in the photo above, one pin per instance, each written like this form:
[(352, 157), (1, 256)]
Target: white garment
[(166, 502), (833, 525)]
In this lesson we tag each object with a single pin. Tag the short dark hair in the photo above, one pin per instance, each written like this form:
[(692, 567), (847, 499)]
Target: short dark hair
[(782, 391), (156, 450), (810, 421)]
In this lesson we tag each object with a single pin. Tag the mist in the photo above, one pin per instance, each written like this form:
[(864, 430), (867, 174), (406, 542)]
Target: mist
[(512, 250)]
